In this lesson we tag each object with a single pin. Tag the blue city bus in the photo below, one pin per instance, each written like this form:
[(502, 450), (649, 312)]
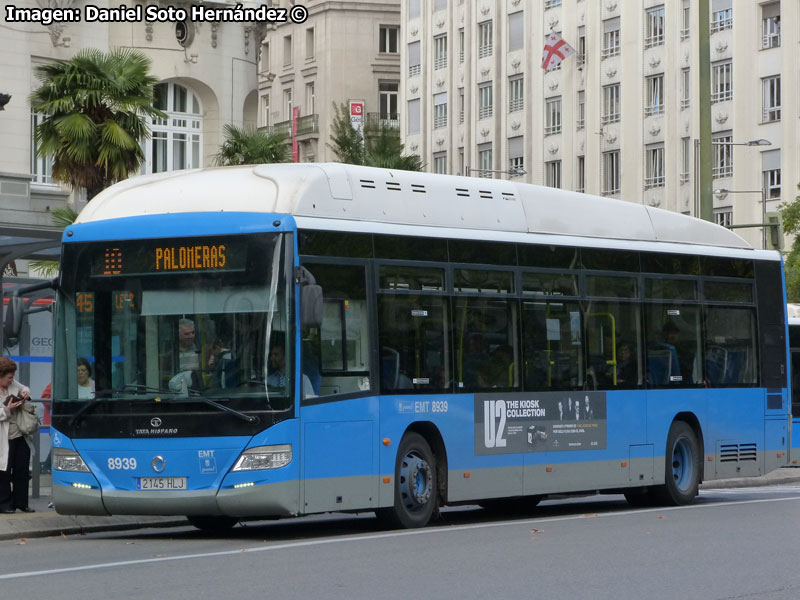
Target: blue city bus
[(282, 340), (794, 369)]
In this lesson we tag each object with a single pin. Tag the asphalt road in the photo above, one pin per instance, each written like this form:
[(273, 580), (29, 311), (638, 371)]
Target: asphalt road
[(734, 543)]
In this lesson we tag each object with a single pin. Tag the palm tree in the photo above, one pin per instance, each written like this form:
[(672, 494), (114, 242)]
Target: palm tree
[(62, 218), (380, 146), (248, 146), (95, 108)]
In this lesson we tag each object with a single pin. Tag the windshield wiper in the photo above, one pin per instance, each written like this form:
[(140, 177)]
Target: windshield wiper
[(136, 388), (99, 397), (222, 407)]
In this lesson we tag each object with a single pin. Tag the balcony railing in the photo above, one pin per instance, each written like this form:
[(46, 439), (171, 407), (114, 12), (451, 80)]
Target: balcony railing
[(389, 120), (305, 125), (771, 40)]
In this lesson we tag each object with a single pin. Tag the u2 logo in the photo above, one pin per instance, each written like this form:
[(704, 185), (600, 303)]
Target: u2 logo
[(493, 431)]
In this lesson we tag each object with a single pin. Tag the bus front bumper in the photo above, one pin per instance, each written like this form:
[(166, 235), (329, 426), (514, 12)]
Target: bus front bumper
[(271, 500)]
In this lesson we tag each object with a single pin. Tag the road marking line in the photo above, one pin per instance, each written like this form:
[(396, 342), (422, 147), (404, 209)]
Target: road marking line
[(378, 536)]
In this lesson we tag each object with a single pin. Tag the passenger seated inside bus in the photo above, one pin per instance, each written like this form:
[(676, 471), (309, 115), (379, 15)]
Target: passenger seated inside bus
[(276, 377), (222, 366), (627, 368), (662, 358), (188, 374)]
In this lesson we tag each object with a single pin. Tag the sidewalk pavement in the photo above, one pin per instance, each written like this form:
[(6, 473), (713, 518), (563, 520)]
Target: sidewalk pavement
[(47, 522)]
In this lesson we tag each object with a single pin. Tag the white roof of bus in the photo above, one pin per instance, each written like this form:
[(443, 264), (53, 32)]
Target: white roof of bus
[(338, 196)]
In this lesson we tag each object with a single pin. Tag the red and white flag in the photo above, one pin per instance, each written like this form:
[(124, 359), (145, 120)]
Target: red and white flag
[(555, 50)]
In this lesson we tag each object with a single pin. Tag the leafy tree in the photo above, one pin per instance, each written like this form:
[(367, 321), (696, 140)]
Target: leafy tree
[(790, 217), (249, 146), (96, 107), (380, 146)]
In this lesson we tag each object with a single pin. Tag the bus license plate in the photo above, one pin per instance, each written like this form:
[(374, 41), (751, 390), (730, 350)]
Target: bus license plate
[(161, 483)]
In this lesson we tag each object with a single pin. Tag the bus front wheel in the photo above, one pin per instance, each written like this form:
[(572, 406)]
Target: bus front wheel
[(415, 485), (682, 468)]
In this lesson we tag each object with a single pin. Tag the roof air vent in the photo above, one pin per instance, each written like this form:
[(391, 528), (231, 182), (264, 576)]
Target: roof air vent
[(368, 183), (462, 192), (417, 188), (509, 196), (485, 194), (393, 186)]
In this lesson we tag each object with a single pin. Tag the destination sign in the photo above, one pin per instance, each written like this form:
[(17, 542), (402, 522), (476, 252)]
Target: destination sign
[(192, 255)]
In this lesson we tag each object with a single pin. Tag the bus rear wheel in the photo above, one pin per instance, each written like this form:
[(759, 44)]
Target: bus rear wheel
[(415, 485), (213, 524), (682, 468)]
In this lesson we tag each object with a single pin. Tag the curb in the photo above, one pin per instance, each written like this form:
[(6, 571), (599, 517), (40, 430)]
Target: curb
[(71, 525)]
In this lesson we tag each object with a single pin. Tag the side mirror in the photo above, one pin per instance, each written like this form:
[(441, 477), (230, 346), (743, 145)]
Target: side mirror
[(12, 325), (311, 306)]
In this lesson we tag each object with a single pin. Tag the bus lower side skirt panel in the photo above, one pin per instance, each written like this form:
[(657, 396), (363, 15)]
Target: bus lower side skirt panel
[(542, 479)]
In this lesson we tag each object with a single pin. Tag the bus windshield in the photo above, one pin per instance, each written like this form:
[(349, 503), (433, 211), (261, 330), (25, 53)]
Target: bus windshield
[(199, 321)]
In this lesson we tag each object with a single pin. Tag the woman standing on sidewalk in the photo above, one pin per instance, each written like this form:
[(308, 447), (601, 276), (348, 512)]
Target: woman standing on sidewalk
[(15, 453)]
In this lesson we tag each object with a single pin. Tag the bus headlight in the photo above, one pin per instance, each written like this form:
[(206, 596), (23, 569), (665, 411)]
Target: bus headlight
[(264, 457), (68, 460)]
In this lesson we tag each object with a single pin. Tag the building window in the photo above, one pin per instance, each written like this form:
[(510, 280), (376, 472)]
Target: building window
[(439, 5), (654, 171), (287, 51), (654, 27), (581, 122), (516, 93), (723, 156), (552, 173), (686, 82), (485, 100), (721, 19), (655, 95), (485, 160), (388, 94), (771, 87), (288, 103), (440, 163), (580, 173), (721, 81), (552, 113), (414, 63), (389, 35), (440, 110), (611, 112), (461, 160), (771, 25), (551, 3), (461, 105), (581, 51), (413, 116), (266, 120), (41, 166), (310, 99), (611, 178), (611, 40), (266, 64), (772, 184), (484, 39), (461, 45), (439, 52), (686, 20), (516, 156), (176, 141), (516, 31), (723, 216), (413, 9), (310, 43), (686, 159)]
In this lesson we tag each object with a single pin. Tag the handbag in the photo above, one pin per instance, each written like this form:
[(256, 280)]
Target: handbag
[(27, 419)]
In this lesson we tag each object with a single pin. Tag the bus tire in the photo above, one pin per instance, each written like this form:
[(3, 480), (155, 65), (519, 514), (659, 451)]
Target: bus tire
[(682, 466), (213, 524), (639, 498), (415, 485)]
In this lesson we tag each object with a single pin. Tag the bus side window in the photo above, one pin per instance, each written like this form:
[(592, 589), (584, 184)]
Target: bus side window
[(335, 357)]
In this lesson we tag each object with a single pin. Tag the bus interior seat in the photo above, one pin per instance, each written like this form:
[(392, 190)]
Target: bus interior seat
[(659, 365)]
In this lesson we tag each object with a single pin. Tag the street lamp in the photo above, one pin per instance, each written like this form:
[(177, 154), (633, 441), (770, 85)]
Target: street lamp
[(513, 171), (724, 192)]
